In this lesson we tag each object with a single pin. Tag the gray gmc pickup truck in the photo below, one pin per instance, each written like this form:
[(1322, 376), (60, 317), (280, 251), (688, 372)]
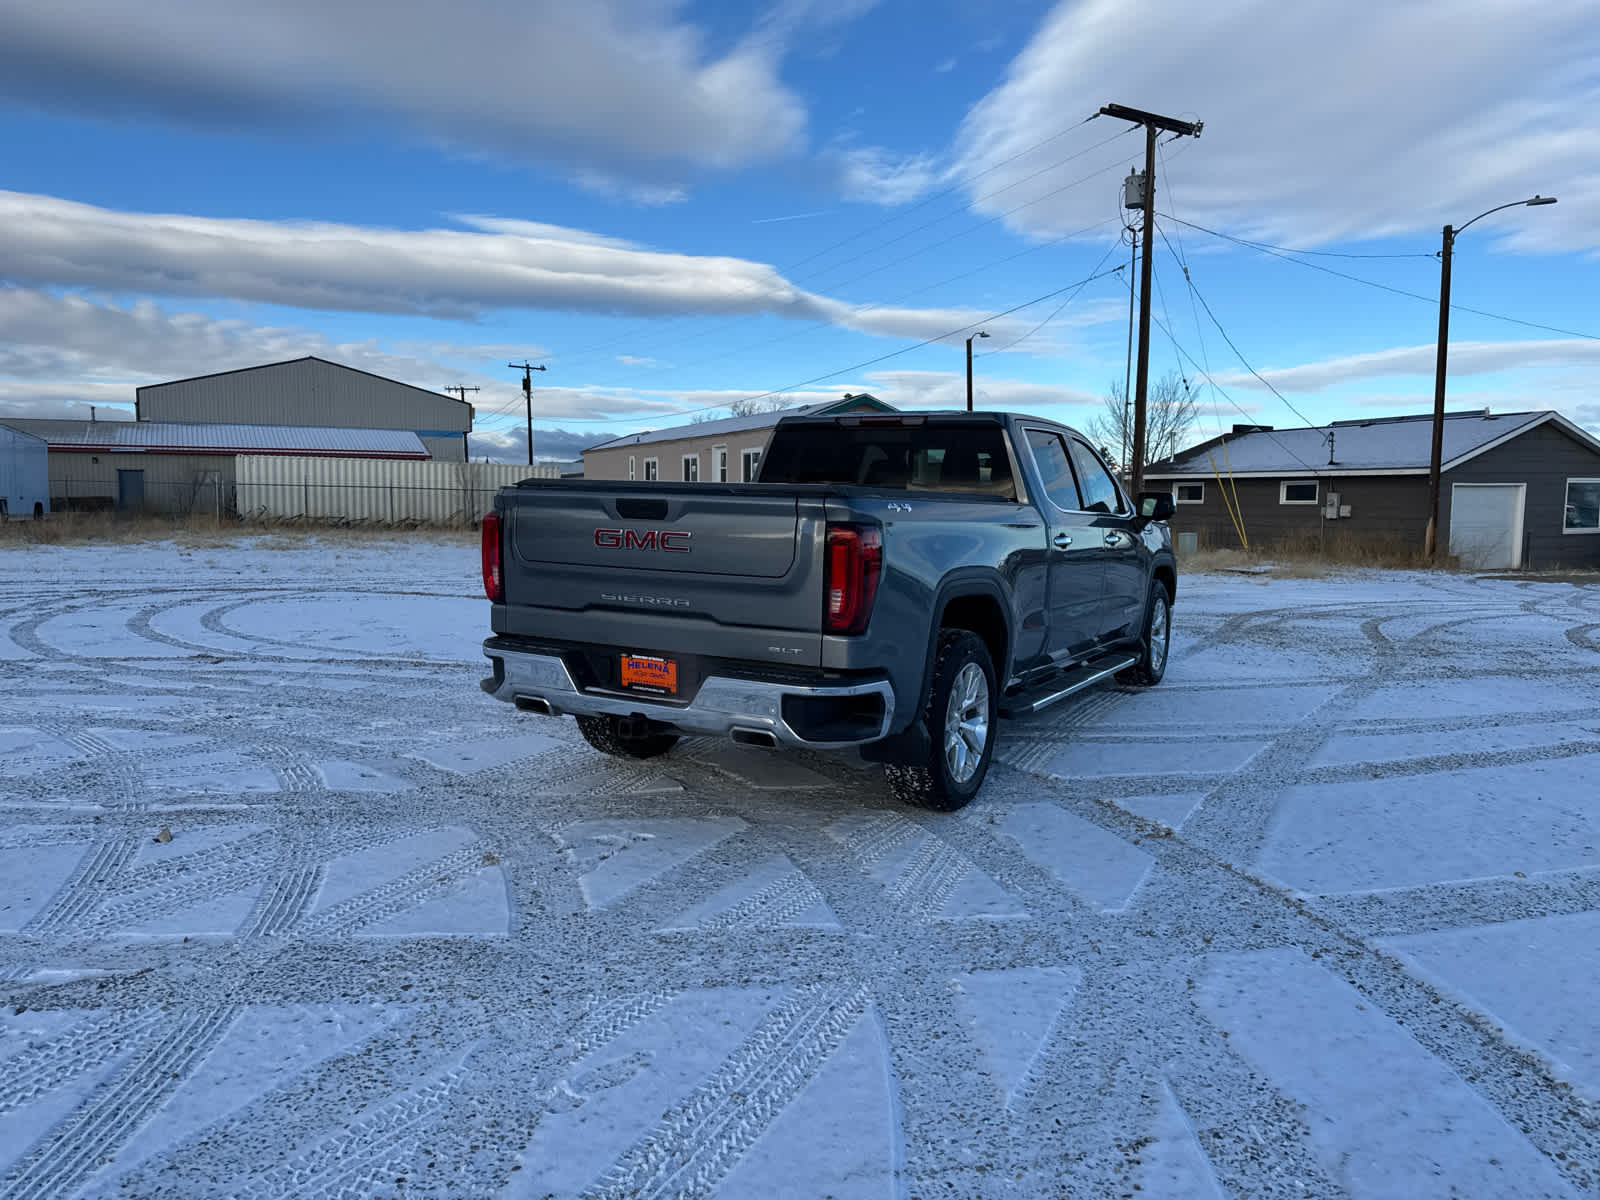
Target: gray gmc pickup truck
[(891, 582)]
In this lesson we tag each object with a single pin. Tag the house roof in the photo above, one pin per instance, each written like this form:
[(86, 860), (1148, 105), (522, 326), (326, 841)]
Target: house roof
[(175, 437), (712, 429), (305, 358), (1380, 445)]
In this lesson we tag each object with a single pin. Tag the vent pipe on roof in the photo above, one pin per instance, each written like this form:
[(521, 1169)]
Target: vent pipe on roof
[(91, 414)]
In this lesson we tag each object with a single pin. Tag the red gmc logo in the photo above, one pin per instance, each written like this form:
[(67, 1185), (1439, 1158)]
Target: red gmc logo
[(643, 539)]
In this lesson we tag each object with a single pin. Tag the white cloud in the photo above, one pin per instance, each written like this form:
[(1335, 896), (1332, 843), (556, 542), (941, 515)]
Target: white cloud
[(633, 360), (49, 337), (1321, 122), (645, 195), (617, 86), (874, 175), (436, 272), (107, 351), (1466, 358)]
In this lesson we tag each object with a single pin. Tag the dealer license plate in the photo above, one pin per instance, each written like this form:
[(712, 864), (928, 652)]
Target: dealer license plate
[(657, 675)]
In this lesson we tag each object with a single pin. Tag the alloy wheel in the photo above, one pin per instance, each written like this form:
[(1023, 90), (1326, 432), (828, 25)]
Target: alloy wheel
[(966, 723)]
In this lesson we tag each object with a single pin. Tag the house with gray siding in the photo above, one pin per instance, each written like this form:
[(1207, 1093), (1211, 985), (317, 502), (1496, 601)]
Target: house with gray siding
[(1516, 489), (312, 391)]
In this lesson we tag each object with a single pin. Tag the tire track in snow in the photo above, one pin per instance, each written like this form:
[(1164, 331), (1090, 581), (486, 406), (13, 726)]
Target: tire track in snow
[(408, 891), (362, 1158), (36, 1071), (98, 1129), (85, 890), (702, 1138), (775, 904)]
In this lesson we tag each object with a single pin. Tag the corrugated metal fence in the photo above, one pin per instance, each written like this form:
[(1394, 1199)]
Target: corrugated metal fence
[(378, 490)]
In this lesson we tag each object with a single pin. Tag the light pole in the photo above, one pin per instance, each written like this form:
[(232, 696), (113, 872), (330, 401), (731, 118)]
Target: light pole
[(1446, 253), (980, 333)]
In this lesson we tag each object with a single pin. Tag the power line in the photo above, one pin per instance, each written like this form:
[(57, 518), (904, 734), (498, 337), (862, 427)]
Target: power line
[(1221, 391), (950, 333), (1195, 291), (960, 329), (957, 236), (1431, 300), (1059, 307), (578, 355), (1291, 250)]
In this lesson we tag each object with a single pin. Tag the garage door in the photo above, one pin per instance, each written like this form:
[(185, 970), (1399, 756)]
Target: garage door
[(1486, 524)]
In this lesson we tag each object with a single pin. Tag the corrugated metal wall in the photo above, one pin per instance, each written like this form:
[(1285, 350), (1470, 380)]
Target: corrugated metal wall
[(379, 490), (23, 473), (304, 392), (168, 483)]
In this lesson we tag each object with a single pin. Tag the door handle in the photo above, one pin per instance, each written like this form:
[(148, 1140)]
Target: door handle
[(1062, 541), (1113, 538)]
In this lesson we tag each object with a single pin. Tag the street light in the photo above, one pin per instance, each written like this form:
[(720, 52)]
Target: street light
[(1446, 252), (980, 333)]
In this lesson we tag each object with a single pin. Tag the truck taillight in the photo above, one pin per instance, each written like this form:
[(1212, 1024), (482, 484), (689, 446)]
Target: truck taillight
[(855, 558), (494, 582)]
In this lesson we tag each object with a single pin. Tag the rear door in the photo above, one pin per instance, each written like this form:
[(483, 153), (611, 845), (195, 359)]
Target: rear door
[(1076, 570), (1121, 551)]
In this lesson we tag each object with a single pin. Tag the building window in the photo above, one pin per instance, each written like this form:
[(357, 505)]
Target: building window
[(1190, 493), (652, 468), (750, 463), (1583, 506), (632, 466), (691, 468), (1297, 491), (719, 464)]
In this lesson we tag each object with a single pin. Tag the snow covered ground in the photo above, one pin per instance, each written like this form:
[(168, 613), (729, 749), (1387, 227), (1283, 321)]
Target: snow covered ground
[(1319, 916)]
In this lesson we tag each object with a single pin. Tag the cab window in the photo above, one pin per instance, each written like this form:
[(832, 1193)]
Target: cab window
[(1100, 492), (1055, 470)]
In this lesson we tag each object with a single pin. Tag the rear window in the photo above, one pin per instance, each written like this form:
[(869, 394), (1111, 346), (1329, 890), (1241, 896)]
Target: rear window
[(928, 457)]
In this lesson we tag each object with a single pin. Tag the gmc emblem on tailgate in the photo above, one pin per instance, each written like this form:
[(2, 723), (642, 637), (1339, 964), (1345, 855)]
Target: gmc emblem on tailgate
[(676, 540)]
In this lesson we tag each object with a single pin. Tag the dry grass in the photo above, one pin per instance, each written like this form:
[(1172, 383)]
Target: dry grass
[(208, 532), (1313, 558)]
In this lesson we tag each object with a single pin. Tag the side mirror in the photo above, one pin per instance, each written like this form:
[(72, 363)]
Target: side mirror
[(1156, 506)]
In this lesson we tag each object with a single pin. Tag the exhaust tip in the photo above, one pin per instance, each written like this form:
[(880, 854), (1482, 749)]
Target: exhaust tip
[(533, 704), (755, 737)]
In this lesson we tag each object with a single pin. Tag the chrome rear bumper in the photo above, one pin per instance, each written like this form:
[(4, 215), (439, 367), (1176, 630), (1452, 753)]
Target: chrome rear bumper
[(723, 706)]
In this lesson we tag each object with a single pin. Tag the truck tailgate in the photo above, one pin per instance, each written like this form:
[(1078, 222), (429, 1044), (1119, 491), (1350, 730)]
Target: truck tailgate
[(724, 571)]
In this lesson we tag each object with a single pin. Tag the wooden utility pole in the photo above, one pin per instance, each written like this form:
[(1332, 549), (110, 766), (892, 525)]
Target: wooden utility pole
[(527, 370), (462, 389), (1153, 124)]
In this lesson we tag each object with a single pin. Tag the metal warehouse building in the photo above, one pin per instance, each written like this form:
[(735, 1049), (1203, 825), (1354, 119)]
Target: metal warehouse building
[(24, 474), (164, 467), (313, 392)]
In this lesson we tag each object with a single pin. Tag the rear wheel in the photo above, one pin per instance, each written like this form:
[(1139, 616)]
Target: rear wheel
[(1155, 641), (960, 720), (618, 736)]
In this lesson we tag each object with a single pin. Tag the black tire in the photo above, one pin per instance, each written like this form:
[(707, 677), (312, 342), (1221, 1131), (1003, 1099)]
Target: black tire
[(606, 734), (1154, 641), (937, 782)]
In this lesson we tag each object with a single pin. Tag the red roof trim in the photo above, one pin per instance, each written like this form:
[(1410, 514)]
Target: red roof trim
[(79, 448)]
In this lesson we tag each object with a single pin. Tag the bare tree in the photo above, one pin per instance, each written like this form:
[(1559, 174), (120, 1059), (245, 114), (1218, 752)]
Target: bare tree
[(1169, 419), (766, 404)]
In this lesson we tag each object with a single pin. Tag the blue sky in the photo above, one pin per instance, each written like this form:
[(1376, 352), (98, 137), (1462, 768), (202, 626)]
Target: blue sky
[(676, 205)]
